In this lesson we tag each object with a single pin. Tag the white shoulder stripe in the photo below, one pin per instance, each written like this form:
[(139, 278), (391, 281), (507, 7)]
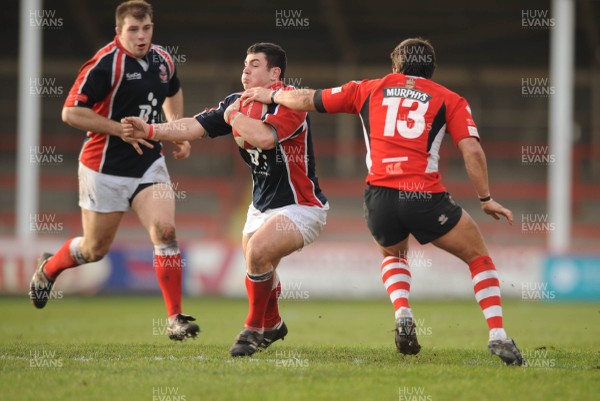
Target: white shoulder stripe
[(110, 53)]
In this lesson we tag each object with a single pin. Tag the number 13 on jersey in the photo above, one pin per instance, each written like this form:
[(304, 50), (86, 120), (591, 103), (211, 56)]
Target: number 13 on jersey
[(410, 124)]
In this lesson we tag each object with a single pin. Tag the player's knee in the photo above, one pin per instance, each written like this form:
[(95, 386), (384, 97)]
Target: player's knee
[(257, 258), (395, 251), (164, 233)]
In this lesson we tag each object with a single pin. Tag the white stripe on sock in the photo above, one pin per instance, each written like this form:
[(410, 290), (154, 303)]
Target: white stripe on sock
[(397, 294), (484, 275), (487, 292), (403, 312), (396, 278), (75, 251), (391, 266), (492, 311)]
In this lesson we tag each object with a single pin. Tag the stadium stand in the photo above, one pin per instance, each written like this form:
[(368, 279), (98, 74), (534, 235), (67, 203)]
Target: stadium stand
[(488, 69)]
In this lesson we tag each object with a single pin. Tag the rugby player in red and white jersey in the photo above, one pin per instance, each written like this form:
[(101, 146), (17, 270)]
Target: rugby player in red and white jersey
[(405, 116), (129, 76), (288, 209)]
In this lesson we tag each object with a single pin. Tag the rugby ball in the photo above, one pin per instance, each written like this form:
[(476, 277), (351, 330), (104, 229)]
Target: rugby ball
[(255, 110)]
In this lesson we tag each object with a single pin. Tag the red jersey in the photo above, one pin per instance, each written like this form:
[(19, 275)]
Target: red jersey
[(404, 121)]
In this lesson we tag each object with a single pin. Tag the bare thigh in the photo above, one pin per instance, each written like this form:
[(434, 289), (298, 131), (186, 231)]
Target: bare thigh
[(276, 239), (155, 207), (99, 230), (464, 240)]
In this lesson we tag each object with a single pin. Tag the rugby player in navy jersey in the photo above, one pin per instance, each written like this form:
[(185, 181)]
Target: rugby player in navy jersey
[(288, 209), (128, 76), (405, 116)]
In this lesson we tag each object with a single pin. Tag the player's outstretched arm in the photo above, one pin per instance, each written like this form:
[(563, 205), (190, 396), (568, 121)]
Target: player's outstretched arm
[(185, 129), (88, 120), (297, 99), (476, 166)]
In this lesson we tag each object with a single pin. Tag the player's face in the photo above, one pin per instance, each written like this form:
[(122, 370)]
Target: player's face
[(136, 35), (257, 73)]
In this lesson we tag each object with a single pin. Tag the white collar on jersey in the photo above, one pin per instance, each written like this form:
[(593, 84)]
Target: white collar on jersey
[(143, 63)]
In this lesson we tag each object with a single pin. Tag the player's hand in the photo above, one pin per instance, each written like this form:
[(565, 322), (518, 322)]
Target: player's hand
[(232, 107), (183, 150), (495, 209), (134, 130), (136, 142), (134, 127), (260, 94)]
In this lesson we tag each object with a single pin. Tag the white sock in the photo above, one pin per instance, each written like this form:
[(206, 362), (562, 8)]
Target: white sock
[(498, 334), (403, 312)]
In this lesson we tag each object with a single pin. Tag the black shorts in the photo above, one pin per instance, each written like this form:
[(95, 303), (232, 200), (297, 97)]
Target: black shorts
[(392, 214)]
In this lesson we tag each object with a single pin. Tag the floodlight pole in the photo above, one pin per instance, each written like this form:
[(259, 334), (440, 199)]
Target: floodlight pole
[(28, 123), (561, 125)]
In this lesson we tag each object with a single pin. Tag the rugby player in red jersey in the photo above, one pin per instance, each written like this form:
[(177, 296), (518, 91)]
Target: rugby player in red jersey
[(405, 116), (288, 209), (128, 76)]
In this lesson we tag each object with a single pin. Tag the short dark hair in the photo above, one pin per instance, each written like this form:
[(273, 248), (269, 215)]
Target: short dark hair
[(414, 56), (275, 55), (138, 9)]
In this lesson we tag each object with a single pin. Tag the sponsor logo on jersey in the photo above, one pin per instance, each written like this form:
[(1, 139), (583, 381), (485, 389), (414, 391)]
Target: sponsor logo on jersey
[(133, 75), (407, 93), (473, 131), (164, 77)]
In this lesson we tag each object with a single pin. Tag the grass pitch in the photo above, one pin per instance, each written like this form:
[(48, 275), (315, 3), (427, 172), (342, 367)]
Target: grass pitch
[(114, 348)]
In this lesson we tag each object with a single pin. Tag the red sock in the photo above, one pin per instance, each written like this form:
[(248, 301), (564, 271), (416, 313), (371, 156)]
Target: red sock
[(272, 317), (259, 289), (168, 265), (63, 259), (396, 278), (487, 290)]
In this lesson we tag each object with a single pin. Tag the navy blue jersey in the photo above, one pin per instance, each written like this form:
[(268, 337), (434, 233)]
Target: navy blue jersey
[(115, 84), (284, 175)]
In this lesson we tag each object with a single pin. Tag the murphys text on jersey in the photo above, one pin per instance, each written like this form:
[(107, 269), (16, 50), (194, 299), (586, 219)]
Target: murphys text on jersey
[(407, 93)]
